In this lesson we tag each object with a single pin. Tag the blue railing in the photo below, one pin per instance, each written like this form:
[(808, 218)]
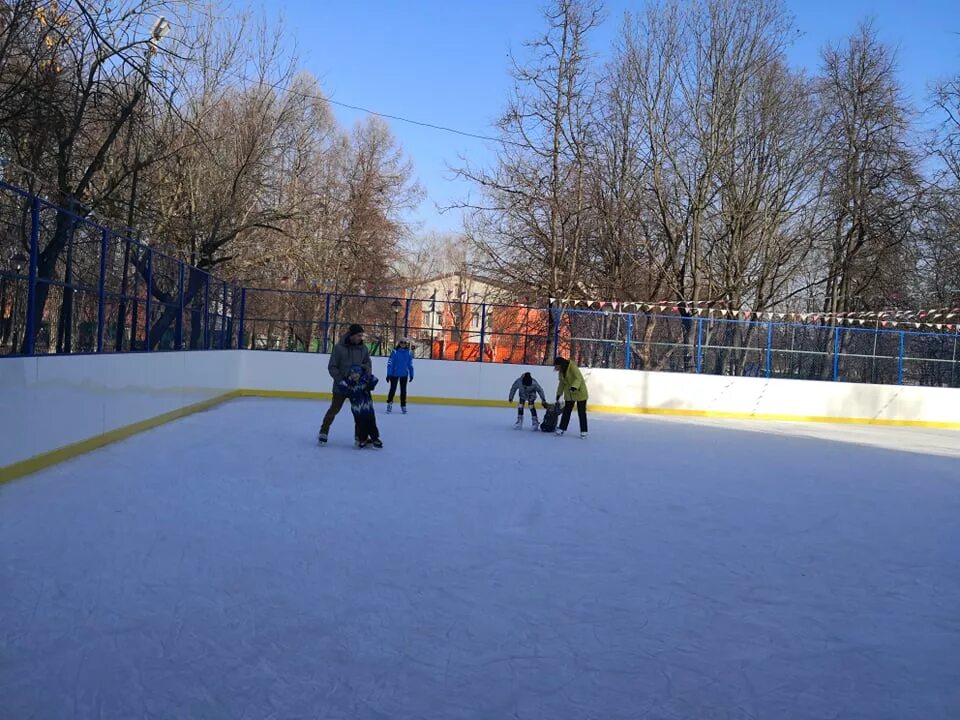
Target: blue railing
[(69, 284)]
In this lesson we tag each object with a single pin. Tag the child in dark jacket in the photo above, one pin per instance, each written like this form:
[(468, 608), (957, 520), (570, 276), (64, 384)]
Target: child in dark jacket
[(399, 369), (357, 387), (529, 389)]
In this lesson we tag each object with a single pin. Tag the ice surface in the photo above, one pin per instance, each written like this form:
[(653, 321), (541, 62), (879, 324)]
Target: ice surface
[(224, 566)]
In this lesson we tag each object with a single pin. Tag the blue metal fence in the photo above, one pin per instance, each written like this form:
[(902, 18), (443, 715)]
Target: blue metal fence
[(70, 285)]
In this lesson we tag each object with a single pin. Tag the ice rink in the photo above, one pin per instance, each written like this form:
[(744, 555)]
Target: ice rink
[(224, 566)]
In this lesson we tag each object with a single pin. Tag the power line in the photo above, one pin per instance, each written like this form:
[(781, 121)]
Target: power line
[(399, 118)]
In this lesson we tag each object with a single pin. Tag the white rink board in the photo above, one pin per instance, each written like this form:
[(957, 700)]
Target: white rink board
[(632, 389), (49, 402)]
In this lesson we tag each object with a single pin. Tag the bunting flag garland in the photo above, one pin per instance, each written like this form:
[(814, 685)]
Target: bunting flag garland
[(938, 319)]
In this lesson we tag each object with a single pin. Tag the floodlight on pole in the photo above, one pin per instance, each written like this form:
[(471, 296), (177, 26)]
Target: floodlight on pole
[(158, 32)]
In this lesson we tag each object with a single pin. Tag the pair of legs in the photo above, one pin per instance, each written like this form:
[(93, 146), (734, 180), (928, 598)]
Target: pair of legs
[(365, 427), (393, 390), (581, 414), (533, 411), (336, 406)]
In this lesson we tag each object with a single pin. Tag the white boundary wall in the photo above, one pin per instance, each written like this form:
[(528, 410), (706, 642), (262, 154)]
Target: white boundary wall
[(631, 389), (49, 402)]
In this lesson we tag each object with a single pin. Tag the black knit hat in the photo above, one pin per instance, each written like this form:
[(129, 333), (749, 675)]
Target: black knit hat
[(355, 329), (527, 379)]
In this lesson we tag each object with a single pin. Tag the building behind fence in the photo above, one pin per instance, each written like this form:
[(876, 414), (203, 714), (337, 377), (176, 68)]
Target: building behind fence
[(70, 285)]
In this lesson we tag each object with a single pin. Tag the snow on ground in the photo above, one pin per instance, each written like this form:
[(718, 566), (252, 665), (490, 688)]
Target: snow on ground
[(224, 566)]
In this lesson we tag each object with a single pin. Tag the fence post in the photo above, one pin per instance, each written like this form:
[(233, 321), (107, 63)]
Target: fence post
[(223, 319), (699, 345), (900, 361), (406, 317), (557, 317), (206, 312), (178, 340), (102, 299), (483, 329), (326, 324), (29, 343), (146, 314), (628, 351), (243, 313), (769, 348), (836, 352)]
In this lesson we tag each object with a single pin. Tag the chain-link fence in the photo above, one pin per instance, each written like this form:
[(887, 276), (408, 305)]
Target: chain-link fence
[(70, 285)]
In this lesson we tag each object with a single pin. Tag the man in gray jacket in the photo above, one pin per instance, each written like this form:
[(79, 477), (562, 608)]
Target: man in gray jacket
[(347, 353)]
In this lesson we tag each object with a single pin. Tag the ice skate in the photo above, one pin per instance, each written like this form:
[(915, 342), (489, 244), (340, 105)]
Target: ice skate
[(560, 432), (583, 436), (403, 409), (361, 444), (322, 439), (518, 424), (377, 443), (389, 408), (535, 427)]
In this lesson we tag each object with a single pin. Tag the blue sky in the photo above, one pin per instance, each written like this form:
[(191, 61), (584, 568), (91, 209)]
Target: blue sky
[(446, 62)]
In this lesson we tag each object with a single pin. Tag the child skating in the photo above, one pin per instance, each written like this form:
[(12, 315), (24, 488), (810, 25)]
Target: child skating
[(399, 370), (357, 387), (528, 388)]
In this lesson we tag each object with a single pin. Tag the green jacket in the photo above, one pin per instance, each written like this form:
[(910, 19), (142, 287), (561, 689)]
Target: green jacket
[(572, 386)]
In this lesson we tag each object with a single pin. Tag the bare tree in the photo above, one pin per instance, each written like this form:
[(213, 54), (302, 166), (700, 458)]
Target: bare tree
[(91, 78), (532, 222), (706, 74), (939, 248), (871, 180)]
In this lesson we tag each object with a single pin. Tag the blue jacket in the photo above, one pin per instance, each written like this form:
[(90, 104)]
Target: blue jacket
[(400, 363), (361, 403)]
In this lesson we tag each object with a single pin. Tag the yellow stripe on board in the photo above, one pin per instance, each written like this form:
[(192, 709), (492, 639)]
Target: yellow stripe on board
[(772, 417), (623, 410), (44, 460)]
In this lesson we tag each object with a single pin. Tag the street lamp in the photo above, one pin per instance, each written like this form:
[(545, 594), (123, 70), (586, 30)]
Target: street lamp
[(158, 32), (396, 318)]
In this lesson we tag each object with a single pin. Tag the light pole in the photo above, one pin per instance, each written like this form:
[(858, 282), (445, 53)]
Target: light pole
[(433, 318), (157, 33), (396, 318)]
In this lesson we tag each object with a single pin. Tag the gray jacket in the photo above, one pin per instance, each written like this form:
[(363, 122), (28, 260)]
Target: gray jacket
[(344, 356), (528, 393)]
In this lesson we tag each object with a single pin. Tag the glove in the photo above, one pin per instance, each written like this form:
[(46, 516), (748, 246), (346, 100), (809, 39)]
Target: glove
[(545, 406)]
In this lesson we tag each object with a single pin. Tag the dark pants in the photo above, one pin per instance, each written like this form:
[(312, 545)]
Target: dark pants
[(335, 407), (581, 414), (366, 427), (393, 390)]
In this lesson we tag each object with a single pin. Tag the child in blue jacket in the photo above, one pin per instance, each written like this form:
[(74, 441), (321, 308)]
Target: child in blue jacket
[(399, 369), (357, 386)]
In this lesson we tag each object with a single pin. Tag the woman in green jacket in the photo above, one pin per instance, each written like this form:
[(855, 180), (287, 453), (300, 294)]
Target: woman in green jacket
[(574, 391)]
